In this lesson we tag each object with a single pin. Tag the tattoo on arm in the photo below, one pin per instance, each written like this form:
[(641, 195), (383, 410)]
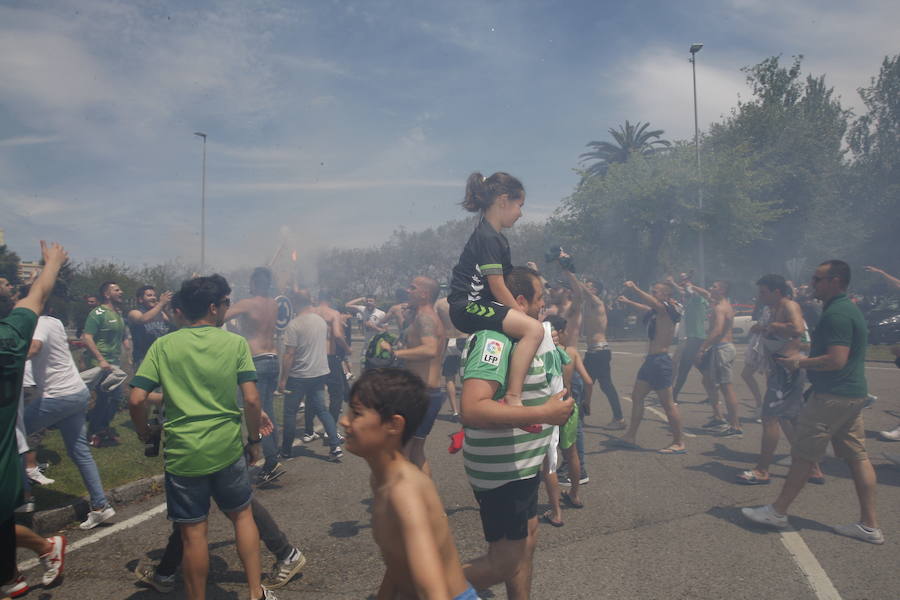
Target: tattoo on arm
[(427, 326)]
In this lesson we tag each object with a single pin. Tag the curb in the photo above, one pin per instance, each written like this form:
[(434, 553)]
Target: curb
[(47, 521)]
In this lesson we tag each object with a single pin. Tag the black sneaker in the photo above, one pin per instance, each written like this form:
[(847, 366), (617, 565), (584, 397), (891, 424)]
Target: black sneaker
[(714, 423), (336, 454), (730, 432), (564, 480), (269, 475)]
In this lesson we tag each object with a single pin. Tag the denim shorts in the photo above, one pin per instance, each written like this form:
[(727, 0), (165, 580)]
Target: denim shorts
[(657, 371), (435, 401), (187, 498)]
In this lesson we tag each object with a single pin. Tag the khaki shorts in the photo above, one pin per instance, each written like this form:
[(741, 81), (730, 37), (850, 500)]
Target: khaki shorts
[(827, 417)]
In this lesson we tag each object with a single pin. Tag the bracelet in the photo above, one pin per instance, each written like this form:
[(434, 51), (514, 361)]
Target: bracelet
[(256, 441)]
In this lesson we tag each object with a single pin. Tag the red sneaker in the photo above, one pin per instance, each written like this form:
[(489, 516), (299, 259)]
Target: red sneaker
[(18, 587), (456, 441)]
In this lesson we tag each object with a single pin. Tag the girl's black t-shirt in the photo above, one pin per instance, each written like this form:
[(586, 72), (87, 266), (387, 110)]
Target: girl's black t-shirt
[(486, 253)]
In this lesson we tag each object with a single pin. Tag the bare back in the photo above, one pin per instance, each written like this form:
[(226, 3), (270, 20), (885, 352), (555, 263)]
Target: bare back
[(408, 505), (789, 312), (256, 318), (442, 308), (723, 310), (664, 332), (571, 312), (330, 315)]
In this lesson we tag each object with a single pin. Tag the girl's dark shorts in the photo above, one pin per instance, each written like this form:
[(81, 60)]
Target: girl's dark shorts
[(476, 316)]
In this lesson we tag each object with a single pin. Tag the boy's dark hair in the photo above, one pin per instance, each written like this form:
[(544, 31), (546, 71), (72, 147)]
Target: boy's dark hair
[(839, 270), (482, 191), (557, 322), (197, 294), (775, 283), (103, 288), (261, 280), (140, 291), (520, 281), (390, 392), (6, 305)]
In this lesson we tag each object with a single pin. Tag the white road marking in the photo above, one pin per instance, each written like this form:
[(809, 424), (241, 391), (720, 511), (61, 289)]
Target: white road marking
[(106, 531), (818, 579), (662, 416)]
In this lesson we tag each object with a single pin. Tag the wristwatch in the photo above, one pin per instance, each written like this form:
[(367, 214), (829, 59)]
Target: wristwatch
[(251, 440)]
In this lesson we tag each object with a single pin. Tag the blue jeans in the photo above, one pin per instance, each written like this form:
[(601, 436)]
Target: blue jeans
[(266, 382), (106, 405), (578, 394), (67, 414), (337, 386), (311, 389)]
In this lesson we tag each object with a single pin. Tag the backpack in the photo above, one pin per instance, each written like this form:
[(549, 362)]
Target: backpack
[(376, 357)]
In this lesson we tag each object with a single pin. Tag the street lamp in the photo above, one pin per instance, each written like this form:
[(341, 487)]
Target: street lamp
[(202, 135), (694, 49)]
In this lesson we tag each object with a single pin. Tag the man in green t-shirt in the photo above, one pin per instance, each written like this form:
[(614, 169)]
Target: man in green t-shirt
[(836, 370), (104, 333), (502, 461), (199, 369), (17, 325)]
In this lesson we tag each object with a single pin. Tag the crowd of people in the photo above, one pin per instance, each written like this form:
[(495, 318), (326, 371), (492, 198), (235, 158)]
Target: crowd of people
[(206, 373)]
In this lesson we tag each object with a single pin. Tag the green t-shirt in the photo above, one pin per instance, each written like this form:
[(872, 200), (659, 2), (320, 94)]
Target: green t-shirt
[(199, 369), (494, 457), (695, 310), (841, 324), (15, 337), (108, 329)]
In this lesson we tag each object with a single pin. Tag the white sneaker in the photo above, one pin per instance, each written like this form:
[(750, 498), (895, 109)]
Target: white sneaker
[(855, 530), (95, 517), (310, 437), (766, 515), (35, 475), (890, 436), (54, 561), (285, 570)]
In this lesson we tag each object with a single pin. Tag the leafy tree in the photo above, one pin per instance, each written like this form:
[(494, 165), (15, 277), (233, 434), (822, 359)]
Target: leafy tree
[(629, 140), (9, 265)]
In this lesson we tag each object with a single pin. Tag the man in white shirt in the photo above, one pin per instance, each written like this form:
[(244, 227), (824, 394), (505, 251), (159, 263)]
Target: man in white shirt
[(63, 403), (371, 317)]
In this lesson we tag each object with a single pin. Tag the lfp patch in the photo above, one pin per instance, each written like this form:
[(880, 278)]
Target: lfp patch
[(493, 350)]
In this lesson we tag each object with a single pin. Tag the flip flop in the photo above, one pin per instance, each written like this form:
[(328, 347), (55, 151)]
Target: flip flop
[(671, 450), (620, 443), (750, 478), (817, 480), (546, 518), (567, 500)]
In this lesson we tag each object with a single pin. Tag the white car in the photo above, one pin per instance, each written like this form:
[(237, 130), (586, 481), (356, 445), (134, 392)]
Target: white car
[(741, 328)]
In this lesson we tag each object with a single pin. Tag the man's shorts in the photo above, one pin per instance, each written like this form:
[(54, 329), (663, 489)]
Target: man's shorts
[(187, 498), (506, 510), (597, 363), (450, 366), (476, 316), (718, 363), (824, 418), (435, 402), (8, 549), (784, 392), (656, 371)]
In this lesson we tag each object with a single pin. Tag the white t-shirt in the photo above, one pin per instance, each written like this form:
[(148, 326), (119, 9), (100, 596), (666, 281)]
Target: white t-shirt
[(27, 377), (54, 370), (308, 334), (375, 317)]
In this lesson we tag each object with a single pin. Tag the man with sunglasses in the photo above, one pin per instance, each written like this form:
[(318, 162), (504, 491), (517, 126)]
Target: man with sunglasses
[(836, 370)]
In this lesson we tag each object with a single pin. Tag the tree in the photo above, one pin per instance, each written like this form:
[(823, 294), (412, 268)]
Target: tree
[(630, 140), (9, 265)]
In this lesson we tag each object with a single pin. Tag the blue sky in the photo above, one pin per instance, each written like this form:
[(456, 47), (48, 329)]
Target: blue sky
[(333, 123)]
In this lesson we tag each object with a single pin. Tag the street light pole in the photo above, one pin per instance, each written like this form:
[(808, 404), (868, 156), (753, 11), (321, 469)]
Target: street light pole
[(695, 48), (202, 135)]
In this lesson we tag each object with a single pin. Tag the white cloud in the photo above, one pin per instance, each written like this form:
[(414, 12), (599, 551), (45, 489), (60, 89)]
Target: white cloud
[(28, 140)]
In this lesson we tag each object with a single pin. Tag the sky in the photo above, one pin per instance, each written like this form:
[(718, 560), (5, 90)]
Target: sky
[(333, 123)]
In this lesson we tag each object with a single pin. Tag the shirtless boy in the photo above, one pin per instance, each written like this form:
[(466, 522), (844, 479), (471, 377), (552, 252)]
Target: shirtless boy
[(456, 340), (408, 519), (424, 342), (598, 358), (256, 318), (661, 314), (715, 359)]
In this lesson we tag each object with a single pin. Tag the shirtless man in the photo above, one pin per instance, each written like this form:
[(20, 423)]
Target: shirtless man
[(715, 359), (598, 358), (661, 314), (785, 335), (256, 318), (337, 347), (456, 341), (424, 341), (398, 313), (566, 298), (408, 519)]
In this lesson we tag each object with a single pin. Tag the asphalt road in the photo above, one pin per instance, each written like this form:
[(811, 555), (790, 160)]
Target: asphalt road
[(654, 526)]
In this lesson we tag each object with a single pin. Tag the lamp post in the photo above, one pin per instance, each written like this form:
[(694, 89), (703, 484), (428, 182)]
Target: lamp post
[(202, 135), (694, 49)]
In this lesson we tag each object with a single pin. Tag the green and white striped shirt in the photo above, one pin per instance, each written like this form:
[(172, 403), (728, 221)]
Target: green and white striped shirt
[(494, 457)]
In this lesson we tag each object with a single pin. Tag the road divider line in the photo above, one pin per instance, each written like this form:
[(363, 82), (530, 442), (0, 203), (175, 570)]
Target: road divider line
[(661, 415), (106, 531), (816, 576)]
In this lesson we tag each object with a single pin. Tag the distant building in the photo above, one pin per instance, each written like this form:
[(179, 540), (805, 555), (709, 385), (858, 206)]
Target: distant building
[(27, 269)]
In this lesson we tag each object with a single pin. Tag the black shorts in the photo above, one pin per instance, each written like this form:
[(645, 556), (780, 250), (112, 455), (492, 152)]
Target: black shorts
[(656, 371), (476, 316), (597, 363), (8, 549), (450, 368), (506, 510)]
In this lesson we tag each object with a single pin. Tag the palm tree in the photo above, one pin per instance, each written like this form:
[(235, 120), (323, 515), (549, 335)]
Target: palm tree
[(630, 139)]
